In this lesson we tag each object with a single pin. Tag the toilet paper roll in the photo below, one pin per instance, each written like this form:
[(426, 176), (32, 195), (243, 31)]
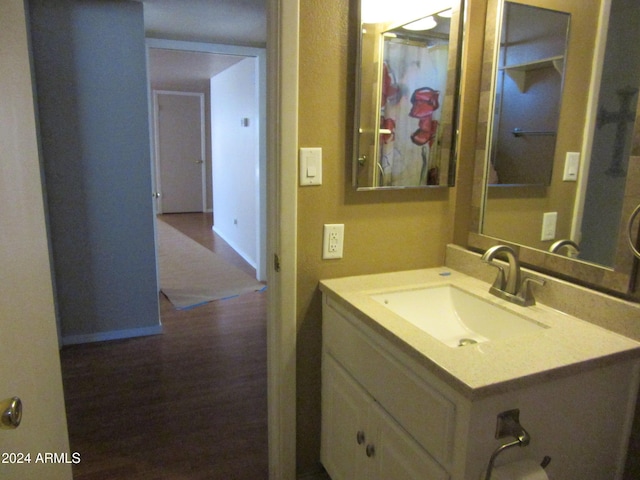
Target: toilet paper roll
[(520, 470)]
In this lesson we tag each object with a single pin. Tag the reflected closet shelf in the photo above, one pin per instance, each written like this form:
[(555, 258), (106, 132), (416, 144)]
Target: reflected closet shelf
[(518, 72)]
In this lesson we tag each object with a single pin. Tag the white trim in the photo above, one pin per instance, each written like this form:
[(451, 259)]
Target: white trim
[(111, 335), (283, 45), (156, 144), (203, 153), (219, 48), (590, 123), (235, 246)]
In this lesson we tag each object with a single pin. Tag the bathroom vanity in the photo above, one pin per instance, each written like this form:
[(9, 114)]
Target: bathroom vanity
[(399, 403)]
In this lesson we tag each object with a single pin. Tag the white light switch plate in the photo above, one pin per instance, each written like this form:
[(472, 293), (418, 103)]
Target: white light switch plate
[(571, 164), (310, 166)]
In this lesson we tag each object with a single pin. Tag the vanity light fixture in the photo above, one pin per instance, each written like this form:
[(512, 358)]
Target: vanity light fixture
[(378, 11), (426, 23)]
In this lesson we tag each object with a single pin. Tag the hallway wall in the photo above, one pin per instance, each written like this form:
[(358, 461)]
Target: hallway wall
[(235, 157), (90, 69)]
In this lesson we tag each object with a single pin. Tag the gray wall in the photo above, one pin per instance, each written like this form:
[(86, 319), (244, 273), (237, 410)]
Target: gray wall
[(605, 189), (90, 68)]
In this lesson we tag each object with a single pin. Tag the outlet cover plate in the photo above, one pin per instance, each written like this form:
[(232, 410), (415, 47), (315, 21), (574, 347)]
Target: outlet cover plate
[(332, 241), (549, 221)]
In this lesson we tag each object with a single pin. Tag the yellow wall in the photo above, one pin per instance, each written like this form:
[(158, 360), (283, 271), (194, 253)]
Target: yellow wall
[(384, 231), (507, 207)]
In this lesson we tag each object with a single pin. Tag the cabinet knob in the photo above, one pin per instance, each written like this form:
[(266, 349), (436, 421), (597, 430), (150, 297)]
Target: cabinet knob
[(360, 437), (371, 450)]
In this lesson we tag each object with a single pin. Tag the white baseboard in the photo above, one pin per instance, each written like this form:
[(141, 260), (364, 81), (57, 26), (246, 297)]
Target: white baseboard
[(111, 335), (239, 251)]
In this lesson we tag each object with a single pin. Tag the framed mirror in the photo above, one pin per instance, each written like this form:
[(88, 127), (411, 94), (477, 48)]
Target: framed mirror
[(576, 225), (406, 94)]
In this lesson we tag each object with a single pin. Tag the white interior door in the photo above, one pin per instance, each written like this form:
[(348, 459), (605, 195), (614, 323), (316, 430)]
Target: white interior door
[(29, 359), (180, 151)]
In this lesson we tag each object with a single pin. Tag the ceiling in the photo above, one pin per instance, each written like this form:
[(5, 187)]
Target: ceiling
[(186, 71), (234, 22), (230, 22)]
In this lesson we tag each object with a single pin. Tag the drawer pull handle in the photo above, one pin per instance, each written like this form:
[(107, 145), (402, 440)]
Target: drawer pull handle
[(371, 450), (360, 437)]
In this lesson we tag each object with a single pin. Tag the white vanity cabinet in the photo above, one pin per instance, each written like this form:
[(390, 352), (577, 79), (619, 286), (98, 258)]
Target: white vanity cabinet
[(386, 415), (372, 425), (362, 440)]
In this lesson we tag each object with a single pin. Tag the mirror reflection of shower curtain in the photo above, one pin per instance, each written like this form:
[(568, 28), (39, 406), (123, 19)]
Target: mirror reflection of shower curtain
[(413, 94)]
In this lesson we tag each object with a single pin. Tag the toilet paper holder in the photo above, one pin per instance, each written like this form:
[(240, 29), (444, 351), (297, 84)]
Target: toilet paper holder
[(508, 425)]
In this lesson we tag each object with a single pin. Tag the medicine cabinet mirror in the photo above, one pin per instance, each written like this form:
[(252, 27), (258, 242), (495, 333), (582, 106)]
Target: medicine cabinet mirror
[(406, 93), (574, 220)]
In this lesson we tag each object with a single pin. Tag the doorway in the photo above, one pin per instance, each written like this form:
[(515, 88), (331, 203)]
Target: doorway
[(178, 65), (221, 385)]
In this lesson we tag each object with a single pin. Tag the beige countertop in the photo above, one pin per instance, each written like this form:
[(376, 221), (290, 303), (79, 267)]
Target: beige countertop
[(568, 346)]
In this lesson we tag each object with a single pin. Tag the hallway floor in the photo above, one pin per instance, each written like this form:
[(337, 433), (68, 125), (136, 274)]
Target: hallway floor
[(190, 404)]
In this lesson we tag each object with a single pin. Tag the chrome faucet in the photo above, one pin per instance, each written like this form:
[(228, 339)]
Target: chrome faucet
[(570, 244), (511, 287)]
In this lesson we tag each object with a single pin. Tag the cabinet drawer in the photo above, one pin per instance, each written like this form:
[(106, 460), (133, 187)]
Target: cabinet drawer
[(421, 410)]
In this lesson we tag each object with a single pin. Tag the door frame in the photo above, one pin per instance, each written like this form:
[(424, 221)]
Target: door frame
[(283, 32), (156, 147)]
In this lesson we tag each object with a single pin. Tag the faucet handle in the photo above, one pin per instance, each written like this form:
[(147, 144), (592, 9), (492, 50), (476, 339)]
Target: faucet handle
[(525, 292)]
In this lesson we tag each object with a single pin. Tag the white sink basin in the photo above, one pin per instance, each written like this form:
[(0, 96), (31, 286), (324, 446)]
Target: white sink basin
[(456, 317)]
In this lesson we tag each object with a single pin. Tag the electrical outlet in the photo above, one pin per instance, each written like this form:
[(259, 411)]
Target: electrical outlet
[(549, 220), (332, 241)]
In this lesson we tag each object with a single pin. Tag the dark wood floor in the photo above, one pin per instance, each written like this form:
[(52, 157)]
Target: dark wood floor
[(190, 404)]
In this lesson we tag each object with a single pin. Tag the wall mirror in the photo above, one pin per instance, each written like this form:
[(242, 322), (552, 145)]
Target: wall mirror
[(527, 94), (406, 94), (576, 224)]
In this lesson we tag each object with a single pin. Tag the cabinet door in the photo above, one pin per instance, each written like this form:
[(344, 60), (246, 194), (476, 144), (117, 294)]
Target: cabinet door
[(398, 456), (344, 414)]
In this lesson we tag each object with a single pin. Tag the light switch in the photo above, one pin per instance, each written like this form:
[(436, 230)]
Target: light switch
[(571, 165), (310, 166)]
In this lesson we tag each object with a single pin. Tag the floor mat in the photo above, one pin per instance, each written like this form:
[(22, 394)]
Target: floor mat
[(191, 274)]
